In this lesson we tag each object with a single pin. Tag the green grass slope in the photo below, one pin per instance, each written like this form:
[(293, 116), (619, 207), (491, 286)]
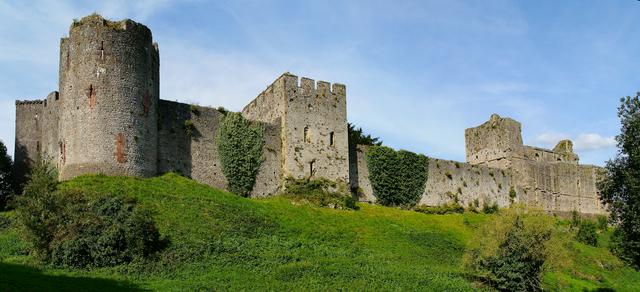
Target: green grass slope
[(224, 242)]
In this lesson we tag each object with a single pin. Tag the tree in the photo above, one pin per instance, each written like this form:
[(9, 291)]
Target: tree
[(357, 137), (6, 176), (620, 189)]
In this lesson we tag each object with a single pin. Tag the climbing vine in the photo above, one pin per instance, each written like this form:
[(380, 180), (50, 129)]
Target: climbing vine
[(398, 178), (240, 148)]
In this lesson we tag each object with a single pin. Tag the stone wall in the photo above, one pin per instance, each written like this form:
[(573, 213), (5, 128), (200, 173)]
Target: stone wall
[(448, 180), (51, 147), (108, 98), (196, 155)]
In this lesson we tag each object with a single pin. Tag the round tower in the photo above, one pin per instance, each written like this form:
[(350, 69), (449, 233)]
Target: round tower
[(109, 92)]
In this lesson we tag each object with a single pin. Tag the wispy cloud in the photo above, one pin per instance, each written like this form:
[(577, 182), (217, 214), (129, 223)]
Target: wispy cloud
[(583, 142), (591, 141)]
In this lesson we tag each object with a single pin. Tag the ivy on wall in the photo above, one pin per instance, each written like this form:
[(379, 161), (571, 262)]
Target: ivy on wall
[(240, 148), (398, 178)]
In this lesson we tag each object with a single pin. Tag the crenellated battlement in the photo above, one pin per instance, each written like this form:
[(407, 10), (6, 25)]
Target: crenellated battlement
[(34, 101)]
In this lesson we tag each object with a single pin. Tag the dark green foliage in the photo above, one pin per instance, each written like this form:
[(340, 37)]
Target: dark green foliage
[(515, 269), (512, 194), (625, 249), (490, 208), (357, 137), (75, 229), (620, 189), (240, 147), (602, 222), (320, 192), (450, 208), (6, 177), (587, 233), (575, 219), (513, 250), (397, 177)]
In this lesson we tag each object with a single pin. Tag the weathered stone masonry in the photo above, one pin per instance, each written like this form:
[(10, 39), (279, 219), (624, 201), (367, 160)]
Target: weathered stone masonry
[(108, 118)]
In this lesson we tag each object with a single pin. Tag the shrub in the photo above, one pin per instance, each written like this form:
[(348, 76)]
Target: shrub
[(490, 208), (240, 148), (575, 219), (513, 250), (189, 127), (6, 177), (320, 192), (587, 233), (398, 178), (512, 194), (449, 208), (603, 222), (74, 229)]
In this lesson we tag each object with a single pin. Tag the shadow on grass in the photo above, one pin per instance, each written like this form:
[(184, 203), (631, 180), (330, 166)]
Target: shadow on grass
[(23, 278)]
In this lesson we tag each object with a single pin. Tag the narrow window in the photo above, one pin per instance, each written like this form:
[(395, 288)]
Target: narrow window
[(102, 50), (331, 139), (306, 134), (311, 169), (38, 147)]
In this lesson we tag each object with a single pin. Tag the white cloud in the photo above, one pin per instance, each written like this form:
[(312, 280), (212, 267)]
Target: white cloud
[(583, 142), (591, 141), (549, 139)]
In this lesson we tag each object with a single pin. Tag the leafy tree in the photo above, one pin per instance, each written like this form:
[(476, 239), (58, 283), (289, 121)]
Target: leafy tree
[(513, 250), (6, 176), (357, 137), (621, 187)]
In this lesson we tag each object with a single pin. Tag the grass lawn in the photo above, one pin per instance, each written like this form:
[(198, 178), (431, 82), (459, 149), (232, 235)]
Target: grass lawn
[(223, 242)]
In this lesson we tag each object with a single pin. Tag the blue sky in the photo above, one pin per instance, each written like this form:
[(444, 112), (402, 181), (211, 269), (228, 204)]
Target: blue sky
[(417, 72)]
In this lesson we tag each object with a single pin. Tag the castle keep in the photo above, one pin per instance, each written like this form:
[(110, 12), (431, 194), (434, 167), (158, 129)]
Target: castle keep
[(107, 117)]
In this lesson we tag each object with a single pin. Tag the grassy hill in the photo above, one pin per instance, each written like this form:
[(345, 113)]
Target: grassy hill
[(221, 241)]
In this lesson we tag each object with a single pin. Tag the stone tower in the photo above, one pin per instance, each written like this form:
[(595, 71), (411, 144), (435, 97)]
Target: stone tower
[(313, 116), (109, 95)]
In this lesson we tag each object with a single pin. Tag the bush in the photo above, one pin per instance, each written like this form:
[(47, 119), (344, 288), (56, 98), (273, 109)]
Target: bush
[(626, 250), (449, 208), (320, 192), (398, 178), (240, 147), (603, 223), (575, 219), (74, 229), (513, 250), (490, 208), (587, 233), (6, 177)]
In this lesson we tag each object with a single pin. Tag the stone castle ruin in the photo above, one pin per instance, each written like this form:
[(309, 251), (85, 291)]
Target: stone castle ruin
[(107, 117)]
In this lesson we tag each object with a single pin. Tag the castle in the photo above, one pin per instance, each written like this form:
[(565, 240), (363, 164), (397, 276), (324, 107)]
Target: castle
[(107, 118)]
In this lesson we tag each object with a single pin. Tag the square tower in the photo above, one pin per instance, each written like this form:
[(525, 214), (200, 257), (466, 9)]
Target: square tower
[(313, 117)]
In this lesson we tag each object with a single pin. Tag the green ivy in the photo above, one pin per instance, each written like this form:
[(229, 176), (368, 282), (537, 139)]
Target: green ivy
[(398, 178), (240, 148)]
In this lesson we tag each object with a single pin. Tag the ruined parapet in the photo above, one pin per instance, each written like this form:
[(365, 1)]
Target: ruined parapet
[(314, 126), (493, 142), (549, 179), (109, 92)]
